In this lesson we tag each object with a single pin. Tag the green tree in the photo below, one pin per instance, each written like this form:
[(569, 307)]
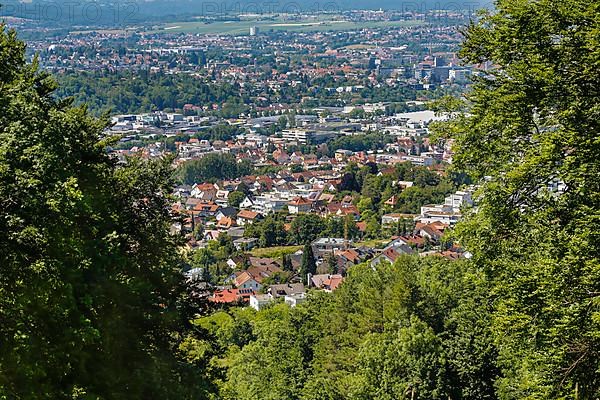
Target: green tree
[(305, 228), (529, 136), (271, 366), (235, 198), (332, 265), (403, 363), (203, 258), (351, 230), (226, 246), (212, 167), (296, 168), (272, 232), (365, 204), (373, 228), (90, 273), (420, 328), (287, 263), (308, 264)]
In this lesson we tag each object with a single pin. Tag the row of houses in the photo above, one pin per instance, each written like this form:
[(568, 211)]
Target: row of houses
[(291, 293)]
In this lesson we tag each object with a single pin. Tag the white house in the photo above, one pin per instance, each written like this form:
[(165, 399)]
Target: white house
[(246, 203), (294, 299), (246, 217), (259, 301), (299, 205)]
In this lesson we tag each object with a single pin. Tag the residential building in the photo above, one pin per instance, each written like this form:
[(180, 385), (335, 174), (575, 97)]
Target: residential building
[(259, 301), (326, 282), (246, 217), (323, 246), (301, 136), (286, 289), (294, 299), (299, 205)]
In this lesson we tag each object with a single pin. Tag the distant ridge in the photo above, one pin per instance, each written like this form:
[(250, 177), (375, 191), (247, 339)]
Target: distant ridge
[(113, 12)]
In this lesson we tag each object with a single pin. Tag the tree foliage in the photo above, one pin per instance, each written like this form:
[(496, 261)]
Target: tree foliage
[(417, 329), (308, 264), (89, 281), (212, 167), (305, 228), (531, 131)]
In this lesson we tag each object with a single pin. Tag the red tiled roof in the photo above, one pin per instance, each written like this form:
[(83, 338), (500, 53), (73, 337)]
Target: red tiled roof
[(391, 254), (392, 201), (205, 186), (210, 207), (334, 281), (247, 214), (225, 222), (298, 201), (229, 296)]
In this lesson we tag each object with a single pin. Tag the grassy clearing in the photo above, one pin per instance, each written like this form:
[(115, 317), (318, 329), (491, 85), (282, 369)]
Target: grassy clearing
[(275, 252), (374, 243), (306, 25)]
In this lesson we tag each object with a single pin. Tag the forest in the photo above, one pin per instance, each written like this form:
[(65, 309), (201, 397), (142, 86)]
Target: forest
[(142, 91), (91, 300), (418, 329), (139, 92)]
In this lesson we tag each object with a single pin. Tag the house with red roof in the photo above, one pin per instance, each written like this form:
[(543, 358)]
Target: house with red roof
[(246, 217), (326, 282), (299, 205), (392, 252), (231, 296), (392, 201)]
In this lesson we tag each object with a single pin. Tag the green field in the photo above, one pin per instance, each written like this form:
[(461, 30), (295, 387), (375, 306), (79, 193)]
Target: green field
[(275, 252), (305, 25)]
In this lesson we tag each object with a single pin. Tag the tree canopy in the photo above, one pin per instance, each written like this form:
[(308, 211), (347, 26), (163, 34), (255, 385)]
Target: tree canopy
[(530, 135), (213, 167), (91, 305), (418, 328), (89, 283)]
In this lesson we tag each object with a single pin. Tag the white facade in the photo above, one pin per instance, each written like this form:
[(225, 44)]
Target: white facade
[(259, 301), (419, 160), (457, 200), (294, 299), (448, 213), (297, 135)]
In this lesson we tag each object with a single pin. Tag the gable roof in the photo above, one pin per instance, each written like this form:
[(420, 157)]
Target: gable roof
[(243, 277), (230, 295), (286, 289), (350, 255), (299, 201), (207, 207), (326, 281), (247, 214), (391, 254), (228, 211), (225, 222), (432, 231), (256, 273), (392, 201)]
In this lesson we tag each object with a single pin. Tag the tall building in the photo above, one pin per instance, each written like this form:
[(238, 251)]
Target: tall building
[(301, 136), (254, 30)]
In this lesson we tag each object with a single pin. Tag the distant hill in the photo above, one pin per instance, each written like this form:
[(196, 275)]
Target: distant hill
[(112, 12)]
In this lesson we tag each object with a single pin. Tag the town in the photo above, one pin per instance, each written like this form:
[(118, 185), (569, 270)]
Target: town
[(297, 153), (355, 199), (340, 187)]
